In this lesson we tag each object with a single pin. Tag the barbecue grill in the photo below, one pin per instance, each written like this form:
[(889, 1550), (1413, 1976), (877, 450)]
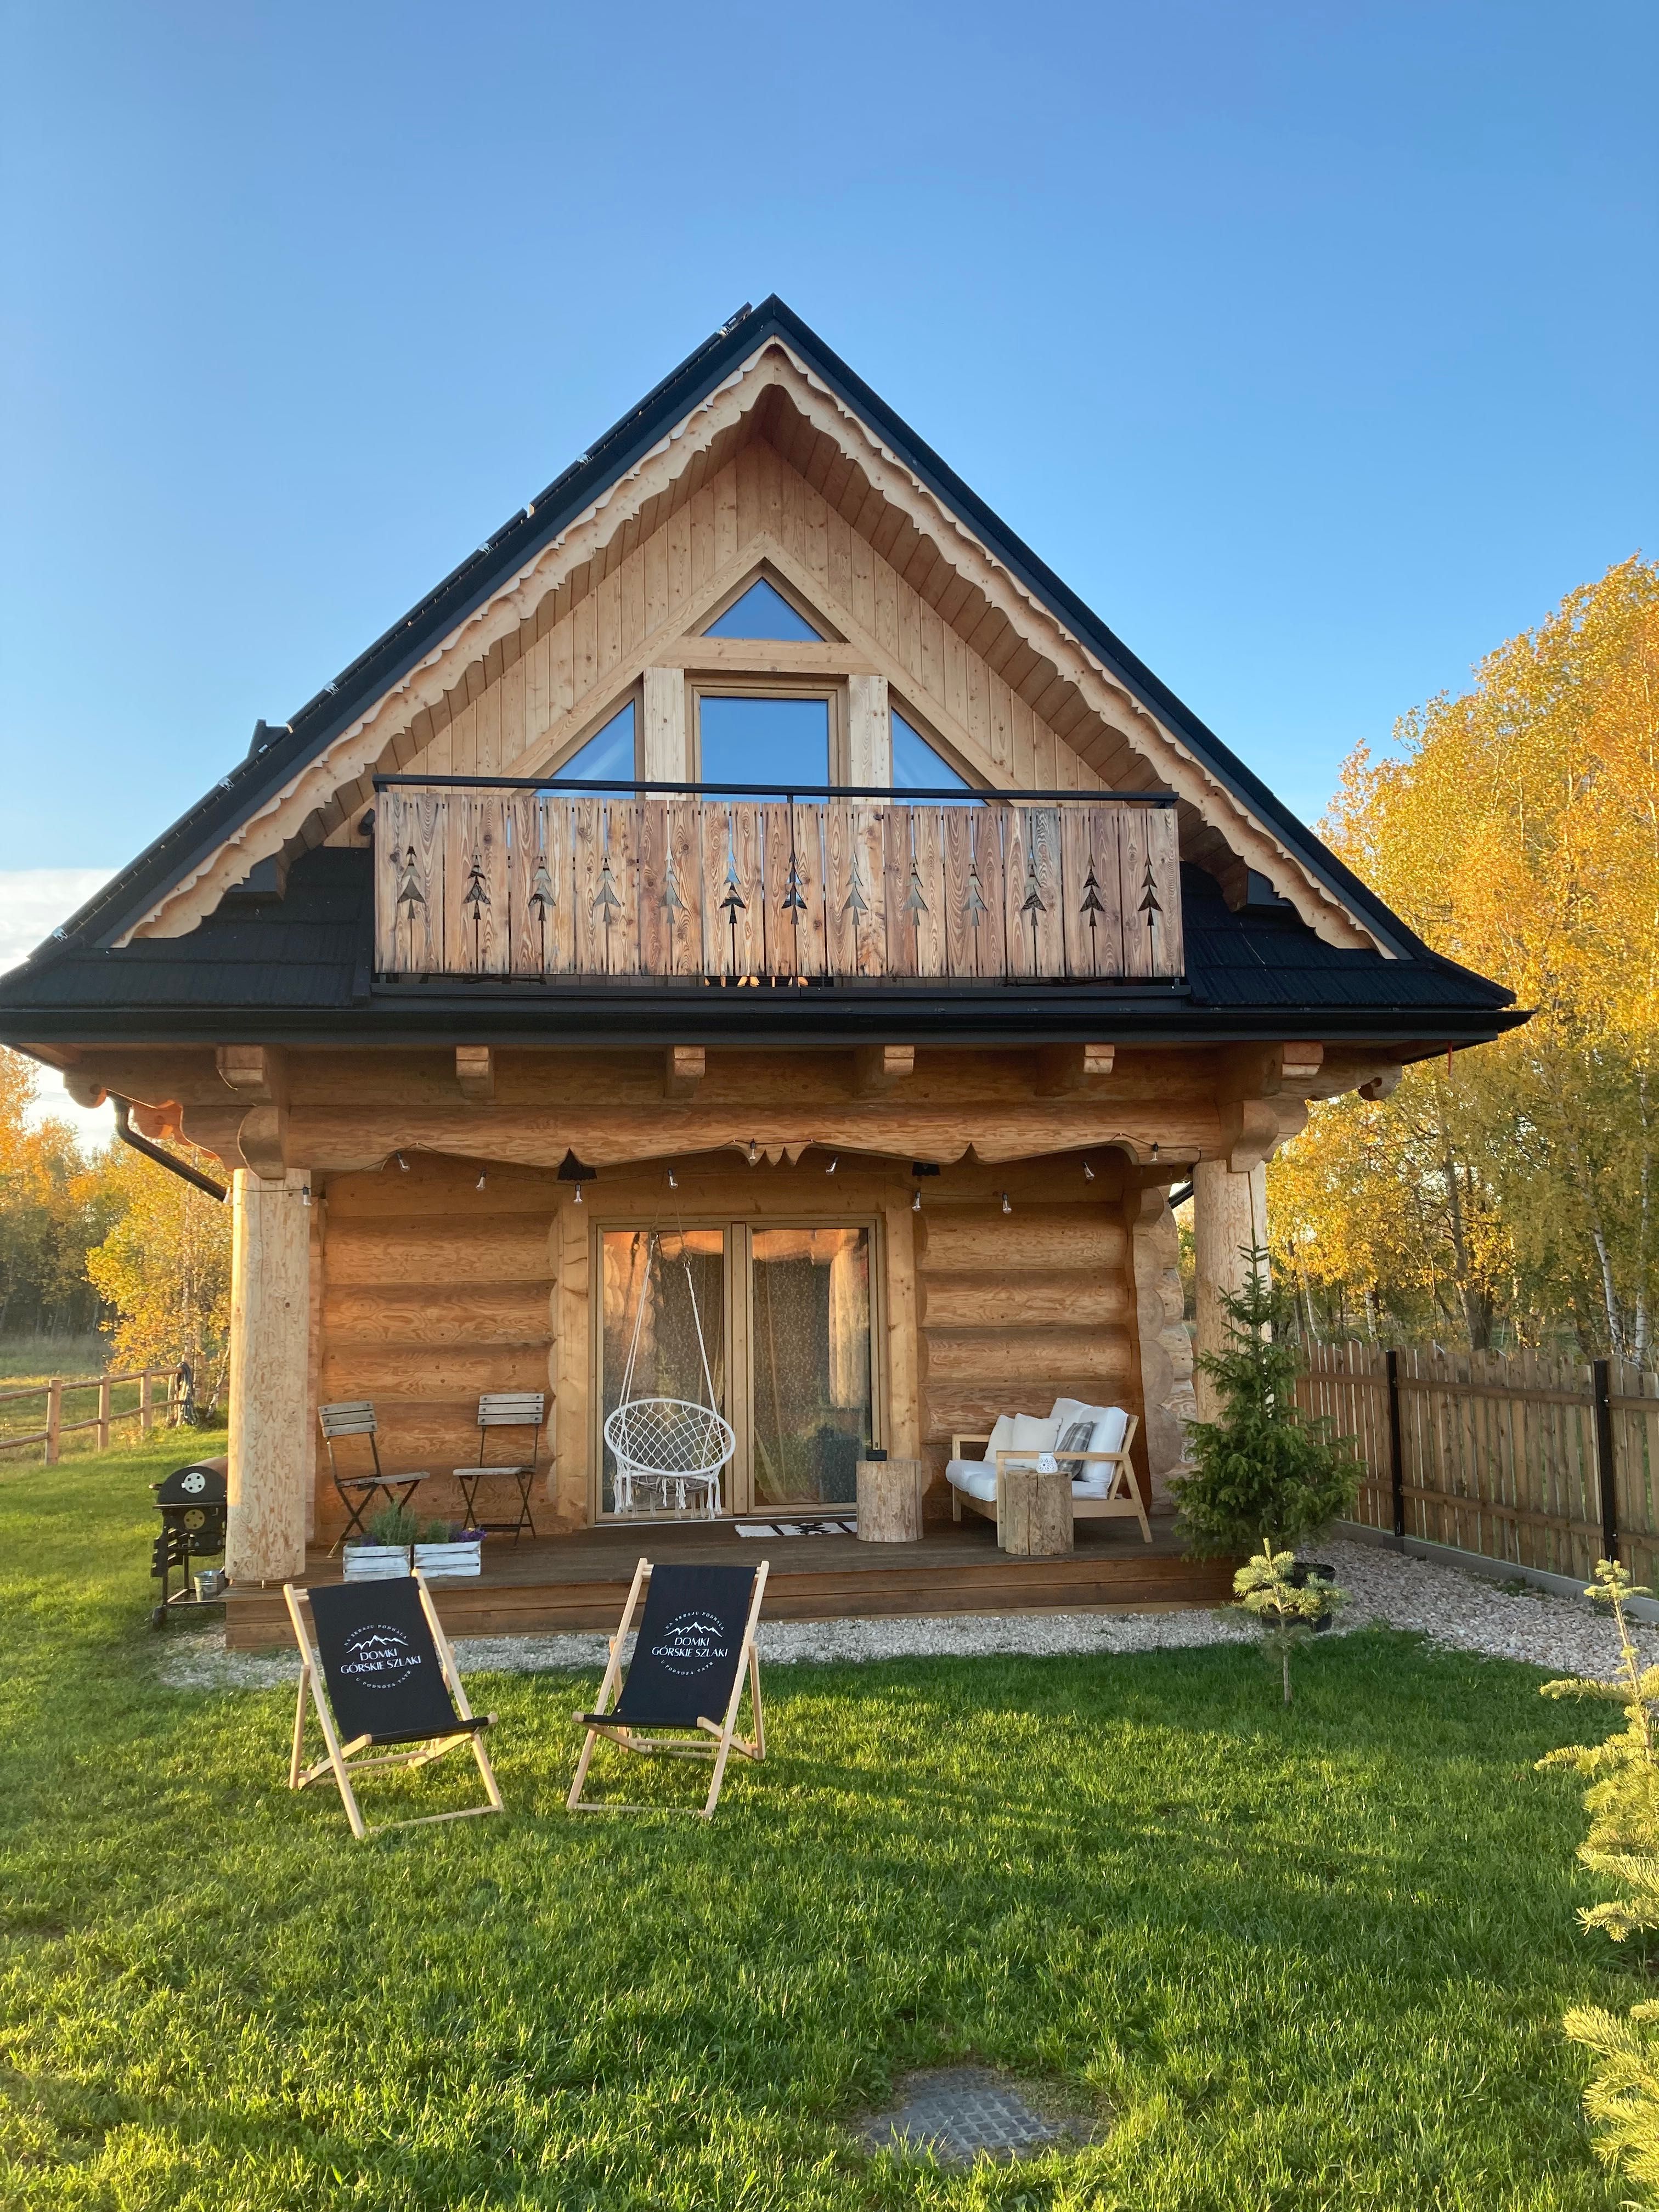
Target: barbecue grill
[(191, 1504)]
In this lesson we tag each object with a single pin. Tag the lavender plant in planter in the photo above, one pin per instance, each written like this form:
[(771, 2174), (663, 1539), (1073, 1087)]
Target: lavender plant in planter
[(444, 1552)]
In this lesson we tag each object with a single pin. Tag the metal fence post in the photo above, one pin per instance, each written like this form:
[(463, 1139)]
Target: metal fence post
[(1396, 1451), (1605, 1472)]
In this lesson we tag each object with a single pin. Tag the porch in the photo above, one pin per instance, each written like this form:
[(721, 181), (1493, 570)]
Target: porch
[(580, 1581)]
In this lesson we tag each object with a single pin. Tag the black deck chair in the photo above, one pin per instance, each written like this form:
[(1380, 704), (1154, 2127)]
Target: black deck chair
[(391, 1679), (696, 1648)]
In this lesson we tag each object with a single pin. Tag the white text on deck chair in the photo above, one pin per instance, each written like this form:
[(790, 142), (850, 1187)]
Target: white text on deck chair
[(696, 1648), (381, 1672)]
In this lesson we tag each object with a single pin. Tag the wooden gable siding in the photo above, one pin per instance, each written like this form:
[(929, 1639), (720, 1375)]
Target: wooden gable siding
[(532, 698)]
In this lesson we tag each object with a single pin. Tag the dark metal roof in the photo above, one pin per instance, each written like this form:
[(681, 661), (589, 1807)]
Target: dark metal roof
[(277, 753), (300, 969)]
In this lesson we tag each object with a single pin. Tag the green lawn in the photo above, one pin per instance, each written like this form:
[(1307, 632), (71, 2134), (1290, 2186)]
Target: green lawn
[(28, 1361), (1314, 1960)]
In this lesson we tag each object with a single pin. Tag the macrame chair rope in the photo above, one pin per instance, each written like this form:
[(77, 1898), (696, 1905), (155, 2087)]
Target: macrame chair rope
[(659, 1441)]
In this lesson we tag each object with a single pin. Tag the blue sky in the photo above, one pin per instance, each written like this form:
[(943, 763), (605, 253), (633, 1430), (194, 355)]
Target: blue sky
[(1313, 344)]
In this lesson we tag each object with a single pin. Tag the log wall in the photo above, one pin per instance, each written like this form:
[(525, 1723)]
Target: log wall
[(433, 1291)]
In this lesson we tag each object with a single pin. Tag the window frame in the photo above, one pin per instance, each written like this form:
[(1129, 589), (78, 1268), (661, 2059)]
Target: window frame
[(830, 689)]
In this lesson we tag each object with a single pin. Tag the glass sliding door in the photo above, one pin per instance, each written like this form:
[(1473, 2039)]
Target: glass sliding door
[(650, 1309), (785, 1320), (809, 1365)]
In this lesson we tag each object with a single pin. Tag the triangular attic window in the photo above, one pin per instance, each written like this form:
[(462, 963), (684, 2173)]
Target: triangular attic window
[(762, 611), (608, 752), (917, 767)]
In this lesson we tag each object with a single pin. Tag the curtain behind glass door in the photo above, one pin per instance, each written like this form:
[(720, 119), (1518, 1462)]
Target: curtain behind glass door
[(667, 1364), (809, 1363)]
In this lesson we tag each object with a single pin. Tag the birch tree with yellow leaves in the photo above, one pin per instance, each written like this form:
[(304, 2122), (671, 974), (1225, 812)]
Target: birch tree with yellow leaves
[(1510, 1197)]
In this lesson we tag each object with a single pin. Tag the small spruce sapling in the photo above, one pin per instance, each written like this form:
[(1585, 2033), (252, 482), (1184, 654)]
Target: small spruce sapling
[(1286, 1612), (1263, 1474), (1622, 1846)]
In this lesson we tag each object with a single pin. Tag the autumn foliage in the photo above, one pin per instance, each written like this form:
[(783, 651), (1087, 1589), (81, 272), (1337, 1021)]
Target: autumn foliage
[(1508, 1199)]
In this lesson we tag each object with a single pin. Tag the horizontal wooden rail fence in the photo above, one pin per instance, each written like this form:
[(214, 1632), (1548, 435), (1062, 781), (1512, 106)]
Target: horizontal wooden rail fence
[(544, 885), (57, 1427), (1543, 1462)]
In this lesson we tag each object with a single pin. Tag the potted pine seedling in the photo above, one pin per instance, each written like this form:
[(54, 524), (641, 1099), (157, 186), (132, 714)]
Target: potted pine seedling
[(444, 1550), (385, 1552), (1285, 1609)]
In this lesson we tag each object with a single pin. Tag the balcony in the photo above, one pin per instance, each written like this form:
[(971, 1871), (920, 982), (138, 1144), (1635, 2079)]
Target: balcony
[(563, 884)]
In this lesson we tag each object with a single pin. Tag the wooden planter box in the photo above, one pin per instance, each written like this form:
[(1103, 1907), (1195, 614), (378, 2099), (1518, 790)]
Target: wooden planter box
[(376, 1563), (445, 1562)]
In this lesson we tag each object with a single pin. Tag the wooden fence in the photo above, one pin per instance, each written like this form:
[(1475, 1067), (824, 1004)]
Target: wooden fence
[(57, 1427), (1543, 1462)]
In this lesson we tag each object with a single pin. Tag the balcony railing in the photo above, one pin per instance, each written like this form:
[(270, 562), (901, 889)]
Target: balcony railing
[(492, 880)]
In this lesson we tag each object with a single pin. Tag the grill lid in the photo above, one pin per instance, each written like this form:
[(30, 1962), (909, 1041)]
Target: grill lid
[(201, 1483)]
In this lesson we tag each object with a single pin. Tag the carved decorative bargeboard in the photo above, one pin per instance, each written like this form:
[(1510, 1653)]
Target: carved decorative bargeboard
[(543, 884)]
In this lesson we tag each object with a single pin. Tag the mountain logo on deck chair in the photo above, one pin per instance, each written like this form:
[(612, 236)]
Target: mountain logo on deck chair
[(692, 1642), (380, 1657)]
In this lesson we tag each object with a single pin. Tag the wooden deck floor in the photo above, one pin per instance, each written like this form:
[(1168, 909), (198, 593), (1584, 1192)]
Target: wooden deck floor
[(581, 1581)]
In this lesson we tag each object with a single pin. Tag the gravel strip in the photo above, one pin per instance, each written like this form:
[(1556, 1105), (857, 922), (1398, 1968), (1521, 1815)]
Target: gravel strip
[(1568, 1636)]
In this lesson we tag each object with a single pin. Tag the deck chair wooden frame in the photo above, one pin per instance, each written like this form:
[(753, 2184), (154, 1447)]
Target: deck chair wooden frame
[(354, 1416), (343, 1760), (505, 1409), (1120, 1500), (724, 1730)]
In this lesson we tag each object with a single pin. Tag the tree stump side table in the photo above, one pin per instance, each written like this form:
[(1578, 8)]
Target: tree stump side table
[(1036, 1513), (890, 1500)]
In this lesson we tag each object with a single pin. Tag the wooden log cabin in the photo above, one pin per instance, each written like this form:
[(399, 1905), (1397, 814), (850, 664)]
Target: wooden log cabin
[(756, 844)]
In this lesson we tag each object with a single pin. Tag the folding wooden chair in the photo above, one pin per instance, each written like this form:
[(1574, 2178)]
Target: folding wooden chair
[(505, 1409), (390, 1678), (354, 1416), (696, 1648)]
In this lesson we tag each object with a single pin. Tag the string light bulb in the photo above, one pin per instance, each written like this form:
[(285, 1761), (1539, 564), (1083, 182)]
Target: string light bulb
[(754, 1153), (833, 1165), (1088, 1172), (480, 1182), (1154, 1147), (673, 1181), (1006, 1207), (578, 1194), (401, 1160), (916, 1203)]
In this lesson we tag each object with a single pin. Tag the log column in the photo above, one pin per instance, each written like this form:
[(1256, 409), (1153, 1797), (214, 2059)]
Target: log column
[(1229, 1215), (270, 1448)]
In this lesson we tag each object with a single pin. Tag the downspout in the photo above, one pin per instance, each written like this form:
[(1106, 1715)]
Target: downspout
[(129, 1135)]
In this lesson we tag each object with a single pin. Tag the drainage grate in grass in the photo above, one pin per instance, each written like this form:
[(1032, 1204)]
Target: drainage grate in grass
[(963, 2113)]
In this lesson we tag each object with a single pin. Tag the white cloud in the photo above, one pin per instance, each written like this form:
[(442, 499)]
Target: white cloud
[(33, 901)]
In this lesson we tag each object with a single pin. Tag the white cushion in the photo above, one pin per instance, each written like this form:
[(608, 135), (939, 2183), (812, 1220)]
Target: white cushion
[(1110, 1424), (975, 1477), (1030, 1434), (1064, 1410), (1002, 1437)]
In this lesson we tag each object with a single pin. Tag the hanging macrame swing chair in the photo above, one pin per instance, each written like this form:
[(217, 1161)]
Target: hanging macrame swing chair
[(664, 1443)]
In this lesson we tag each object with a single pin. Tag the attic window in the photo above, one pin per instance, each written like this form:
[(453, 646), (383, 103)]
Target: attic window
[(762, 611), (752, 739), (608, 752), (918, 767)]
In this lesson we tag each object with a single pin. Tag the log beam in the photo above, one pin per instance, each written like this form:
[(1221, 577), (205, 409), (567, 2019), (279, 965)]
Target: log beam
[(1230, 1216), (257, 1074), (877, 1068), (271, 1457), (1066, 1070), (475, 1073), (683, 1069)]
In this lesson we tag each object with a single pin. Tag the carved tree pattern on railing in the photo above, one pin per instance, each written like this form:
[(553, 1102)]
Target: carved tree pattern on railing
[(543, 884)]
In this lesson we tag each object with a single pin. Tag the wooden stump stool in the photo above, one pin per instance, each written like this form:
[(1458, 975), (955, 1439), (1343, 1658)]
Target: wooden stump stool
[(1036, 1513), (890, 1500)]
